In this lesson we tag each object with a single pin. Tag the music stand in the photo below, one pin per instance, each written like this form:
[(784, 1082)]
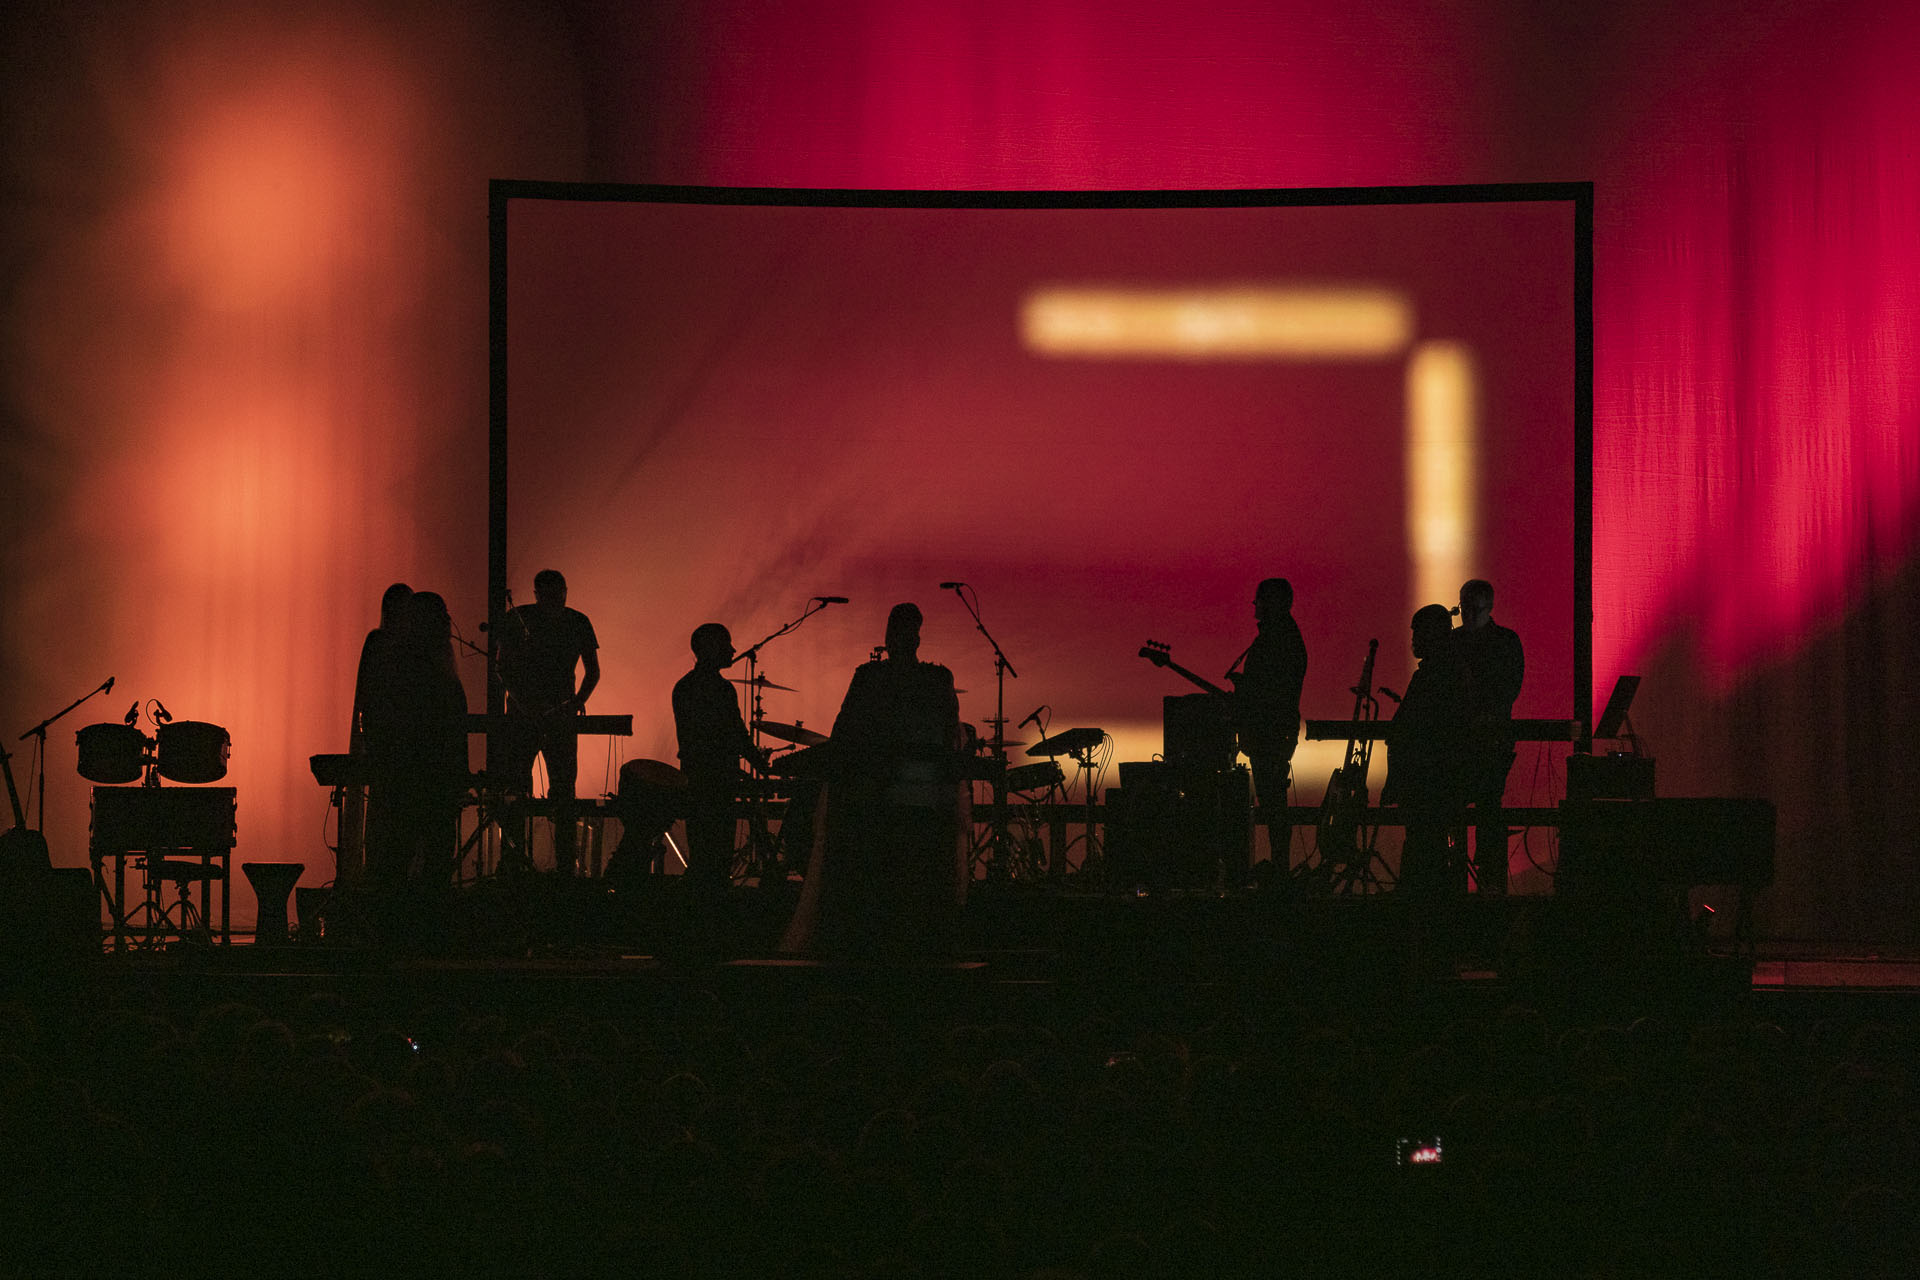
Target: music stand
[(1613, 718)]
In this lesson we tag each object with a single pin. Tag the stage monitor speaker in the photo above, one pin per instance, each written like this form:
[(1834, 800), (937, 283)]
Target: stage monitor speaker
[(1614, 844)]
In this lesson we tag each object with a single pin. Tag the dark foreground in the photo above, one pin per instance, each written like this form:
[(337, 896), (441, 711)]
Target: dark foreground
[(1097, 1087)]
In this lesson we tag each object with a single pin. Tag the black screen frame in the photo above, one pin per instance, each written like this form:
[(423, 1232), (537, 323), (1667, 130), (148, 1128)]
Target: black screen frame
[(502, 192)]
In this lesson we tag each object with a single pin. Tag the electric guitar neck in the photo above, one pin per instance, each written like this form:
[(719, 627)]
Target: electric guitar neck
[(1160, 655)]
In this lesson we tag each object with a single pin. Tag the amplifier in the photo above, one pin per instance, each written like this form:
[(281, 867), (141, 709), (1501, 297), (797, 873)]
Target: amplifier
[(1166, 829), (1198, 733)]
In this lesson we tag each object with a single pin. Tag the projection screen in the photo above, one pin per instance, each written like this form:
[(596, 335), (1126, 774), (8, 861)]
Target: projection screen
[(1110, 414)]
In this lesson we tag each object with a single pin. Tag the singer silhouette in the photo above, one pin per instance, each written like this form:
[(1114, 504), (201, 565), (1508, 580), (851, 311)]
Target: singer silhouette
[(891, 872)]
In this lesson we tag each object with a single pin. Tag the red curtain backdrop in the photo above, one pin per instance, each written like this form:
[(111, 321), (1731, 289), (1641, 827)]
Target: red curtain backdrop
[(244, 320)]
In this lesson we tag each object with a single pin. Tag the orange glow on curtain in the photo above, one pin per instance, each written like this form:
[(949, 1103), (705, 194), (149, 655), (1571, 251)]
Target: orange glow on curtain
[(252, 407)]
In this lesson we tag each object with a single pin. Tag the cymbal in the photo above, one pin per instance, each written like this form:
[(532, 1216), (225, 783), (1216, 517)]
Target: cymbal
[(1067, 742), (790, 733), (761, 682)]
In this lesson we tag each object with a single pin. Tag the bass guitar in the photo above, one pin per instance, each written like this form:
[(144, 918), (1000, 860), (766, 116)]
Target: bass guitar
[(1161, 655)]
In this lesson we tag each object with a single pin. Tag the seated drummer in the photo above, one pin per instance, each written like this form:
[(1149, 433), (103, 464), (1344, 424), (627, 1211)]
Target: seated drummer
[(713, 740)]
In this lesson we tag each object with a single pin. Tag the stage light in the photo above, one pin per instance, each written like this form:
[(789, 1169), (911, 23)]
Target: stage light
[(1228, 322)]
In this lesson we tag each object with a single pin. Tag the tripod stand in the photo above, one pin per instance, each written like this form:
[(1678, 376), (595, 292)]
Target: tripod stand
[(1000, 847), (1345, 855)]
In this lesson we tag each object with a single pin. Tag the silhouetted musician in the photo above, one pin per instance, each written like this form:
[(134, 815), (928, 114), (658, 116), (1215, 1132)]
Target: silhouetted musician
[(891, 867), (1498, 664), (713, 740), (415, 739), (1272, 673), (360, 825), (1426, 757), (542, 645)]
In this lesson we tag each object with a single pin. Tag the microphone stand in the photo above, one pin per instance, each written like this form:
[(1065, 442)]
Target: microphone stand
[(39, 732), (764, 854), (1002, 839), (752, 657)]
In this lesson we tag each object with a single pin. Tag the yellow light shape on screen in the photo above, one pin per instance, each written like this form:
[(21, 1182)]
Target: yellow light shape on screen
[(1442, 459), (1231, 322)]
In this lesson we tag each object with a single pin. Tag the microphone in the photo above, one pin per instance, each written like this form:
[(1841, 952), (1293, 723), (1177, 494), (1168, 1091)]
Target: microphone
[(1033, 719), (831, 599), (133, 715), (160, 712), (951, 586), (108, 686), (1390, 693)]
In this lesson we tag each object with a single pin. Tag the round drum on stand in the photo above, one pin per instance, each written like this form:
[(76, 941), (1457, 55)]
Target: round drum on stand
[(111, 754), (193, 751)]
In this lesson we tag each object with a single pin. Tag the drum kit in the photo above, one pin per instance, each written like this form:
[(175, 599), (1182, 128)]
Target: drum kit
[(183, 837), (1082, 745)]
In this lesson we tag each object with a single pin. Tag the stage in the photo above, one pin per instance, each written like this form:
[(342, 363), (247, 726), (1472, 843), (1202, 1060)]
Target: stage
[(1021, 945)]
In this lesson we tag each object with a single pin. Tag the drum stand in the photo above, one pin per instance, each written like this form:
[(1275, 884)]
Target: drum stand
[(761, 857), (1090, 850), (1000, 846), (181, 919), (1020, 853)]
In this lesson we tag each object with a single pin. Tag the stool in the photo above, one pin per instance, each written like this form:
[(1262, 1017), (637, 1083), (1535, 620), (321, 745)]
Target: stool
[(272, 885), (182, 919)]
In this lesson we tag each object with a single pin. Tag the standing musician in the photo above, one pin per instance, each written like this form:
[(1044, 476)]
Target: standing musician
[(1497, 663), (413, 727), (1272, 672), (1426, 757), (362, 836), (541, 646), (893, 804), (713, 740)]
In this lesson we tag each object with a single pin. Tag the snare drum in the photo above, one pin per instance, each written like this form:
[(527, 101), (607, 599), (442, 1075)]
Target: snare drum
[(112, 753), (193, 751)]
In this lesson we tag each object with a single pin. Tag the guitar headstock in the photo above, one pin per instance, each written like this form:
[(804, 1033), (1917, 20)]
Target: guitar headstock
[(1156, 653)]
